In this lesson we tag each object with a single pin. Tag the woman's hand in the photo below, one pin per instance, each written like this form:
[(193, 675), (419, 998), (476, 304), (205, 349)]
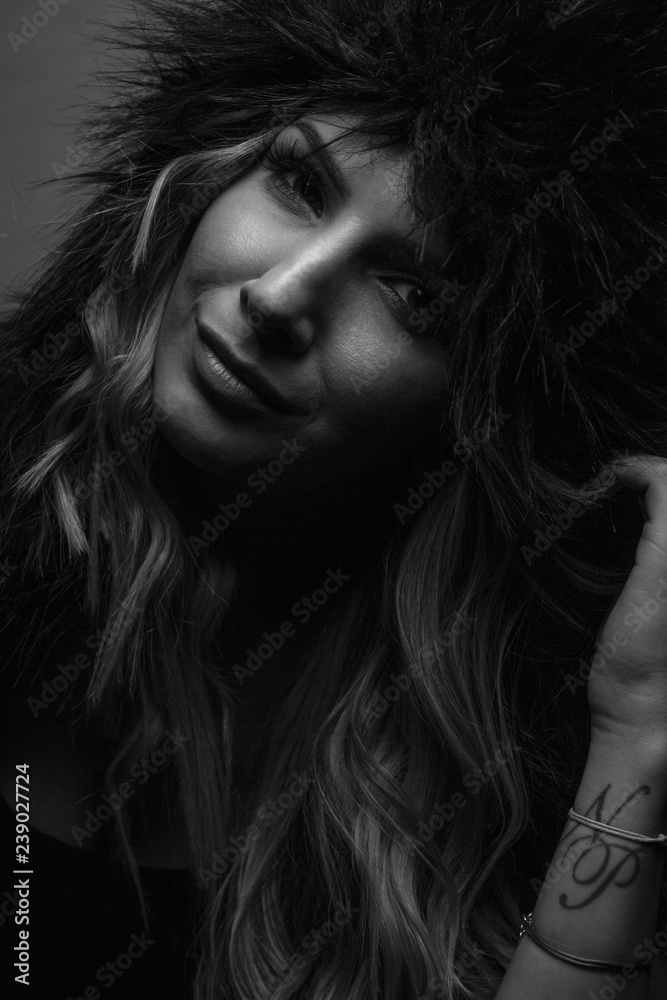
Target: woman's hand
[(627, 686)]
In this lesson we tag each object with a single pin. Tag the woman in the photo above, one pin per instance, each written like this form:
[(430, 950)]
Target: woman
[(328, 424)]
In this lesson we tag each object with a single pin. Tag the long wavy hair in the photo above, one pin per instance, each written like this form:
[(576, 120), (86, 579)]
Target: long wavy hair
[(495, 102)]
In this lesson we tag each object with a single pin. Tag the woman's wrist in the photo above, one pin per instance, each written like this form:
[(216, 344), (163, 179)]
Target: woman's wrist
[(624, 784), (634, 761), (599, 897), (634, 728)]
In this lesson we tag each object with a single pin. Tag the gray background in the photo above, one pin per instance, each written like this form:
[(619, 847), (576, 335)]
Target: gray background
[(44, 87)]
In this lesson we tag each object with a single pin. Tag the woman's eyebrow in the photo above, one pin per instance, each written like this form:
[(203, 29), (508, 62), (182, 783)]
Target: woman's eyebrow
[(410, 250), (320, 150)]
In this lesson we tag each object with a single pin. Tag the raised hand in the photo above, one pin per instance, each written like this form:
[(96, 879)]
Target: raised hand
[(627, 686)]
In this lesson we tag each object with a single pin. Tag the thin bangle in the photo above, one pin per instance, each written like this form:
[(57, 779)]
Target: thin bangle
[(528, 928), (639, 838)]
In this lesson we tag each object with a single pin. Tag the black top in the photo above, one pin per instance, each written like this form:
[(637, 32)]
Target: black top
[(86, 930)]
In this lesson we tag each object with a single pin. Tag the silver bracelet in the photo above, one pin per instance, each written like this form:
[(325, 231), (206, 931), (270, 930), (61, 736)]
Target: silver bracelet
[(639, 838), (528, 929)]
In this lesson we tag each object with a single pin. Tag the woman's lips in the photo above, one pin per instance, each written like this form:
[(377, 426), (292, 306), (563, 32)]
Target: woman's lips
[(222, 384), (233, 380)]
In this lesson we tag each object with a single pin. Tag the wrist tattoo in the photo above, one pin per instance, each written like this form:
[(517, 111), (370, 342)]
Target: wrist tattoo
[(599, 859)]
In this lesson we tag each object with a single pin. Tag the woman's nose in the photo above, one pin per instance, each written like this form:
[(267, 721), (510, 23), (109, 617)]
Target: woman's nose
[(290, 302), (280, 324)]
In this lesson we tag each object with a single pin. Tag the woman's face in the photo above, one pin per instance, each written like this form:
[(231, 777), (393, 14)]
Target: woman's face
[(292, 319)]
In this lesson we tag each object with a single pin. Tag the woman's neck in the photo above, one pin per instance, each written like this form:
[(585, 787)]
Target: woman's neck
[(280, 546)]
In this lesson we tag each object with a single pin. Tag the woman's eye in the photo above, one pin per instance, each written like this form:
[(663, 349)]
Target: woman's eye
[(295, 179), (305, 186), (415, 304), (415, 294)]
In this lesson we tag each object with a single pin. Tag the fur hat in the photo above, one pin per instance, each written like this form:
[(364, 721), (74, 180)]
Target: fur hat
[(537, 137)]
